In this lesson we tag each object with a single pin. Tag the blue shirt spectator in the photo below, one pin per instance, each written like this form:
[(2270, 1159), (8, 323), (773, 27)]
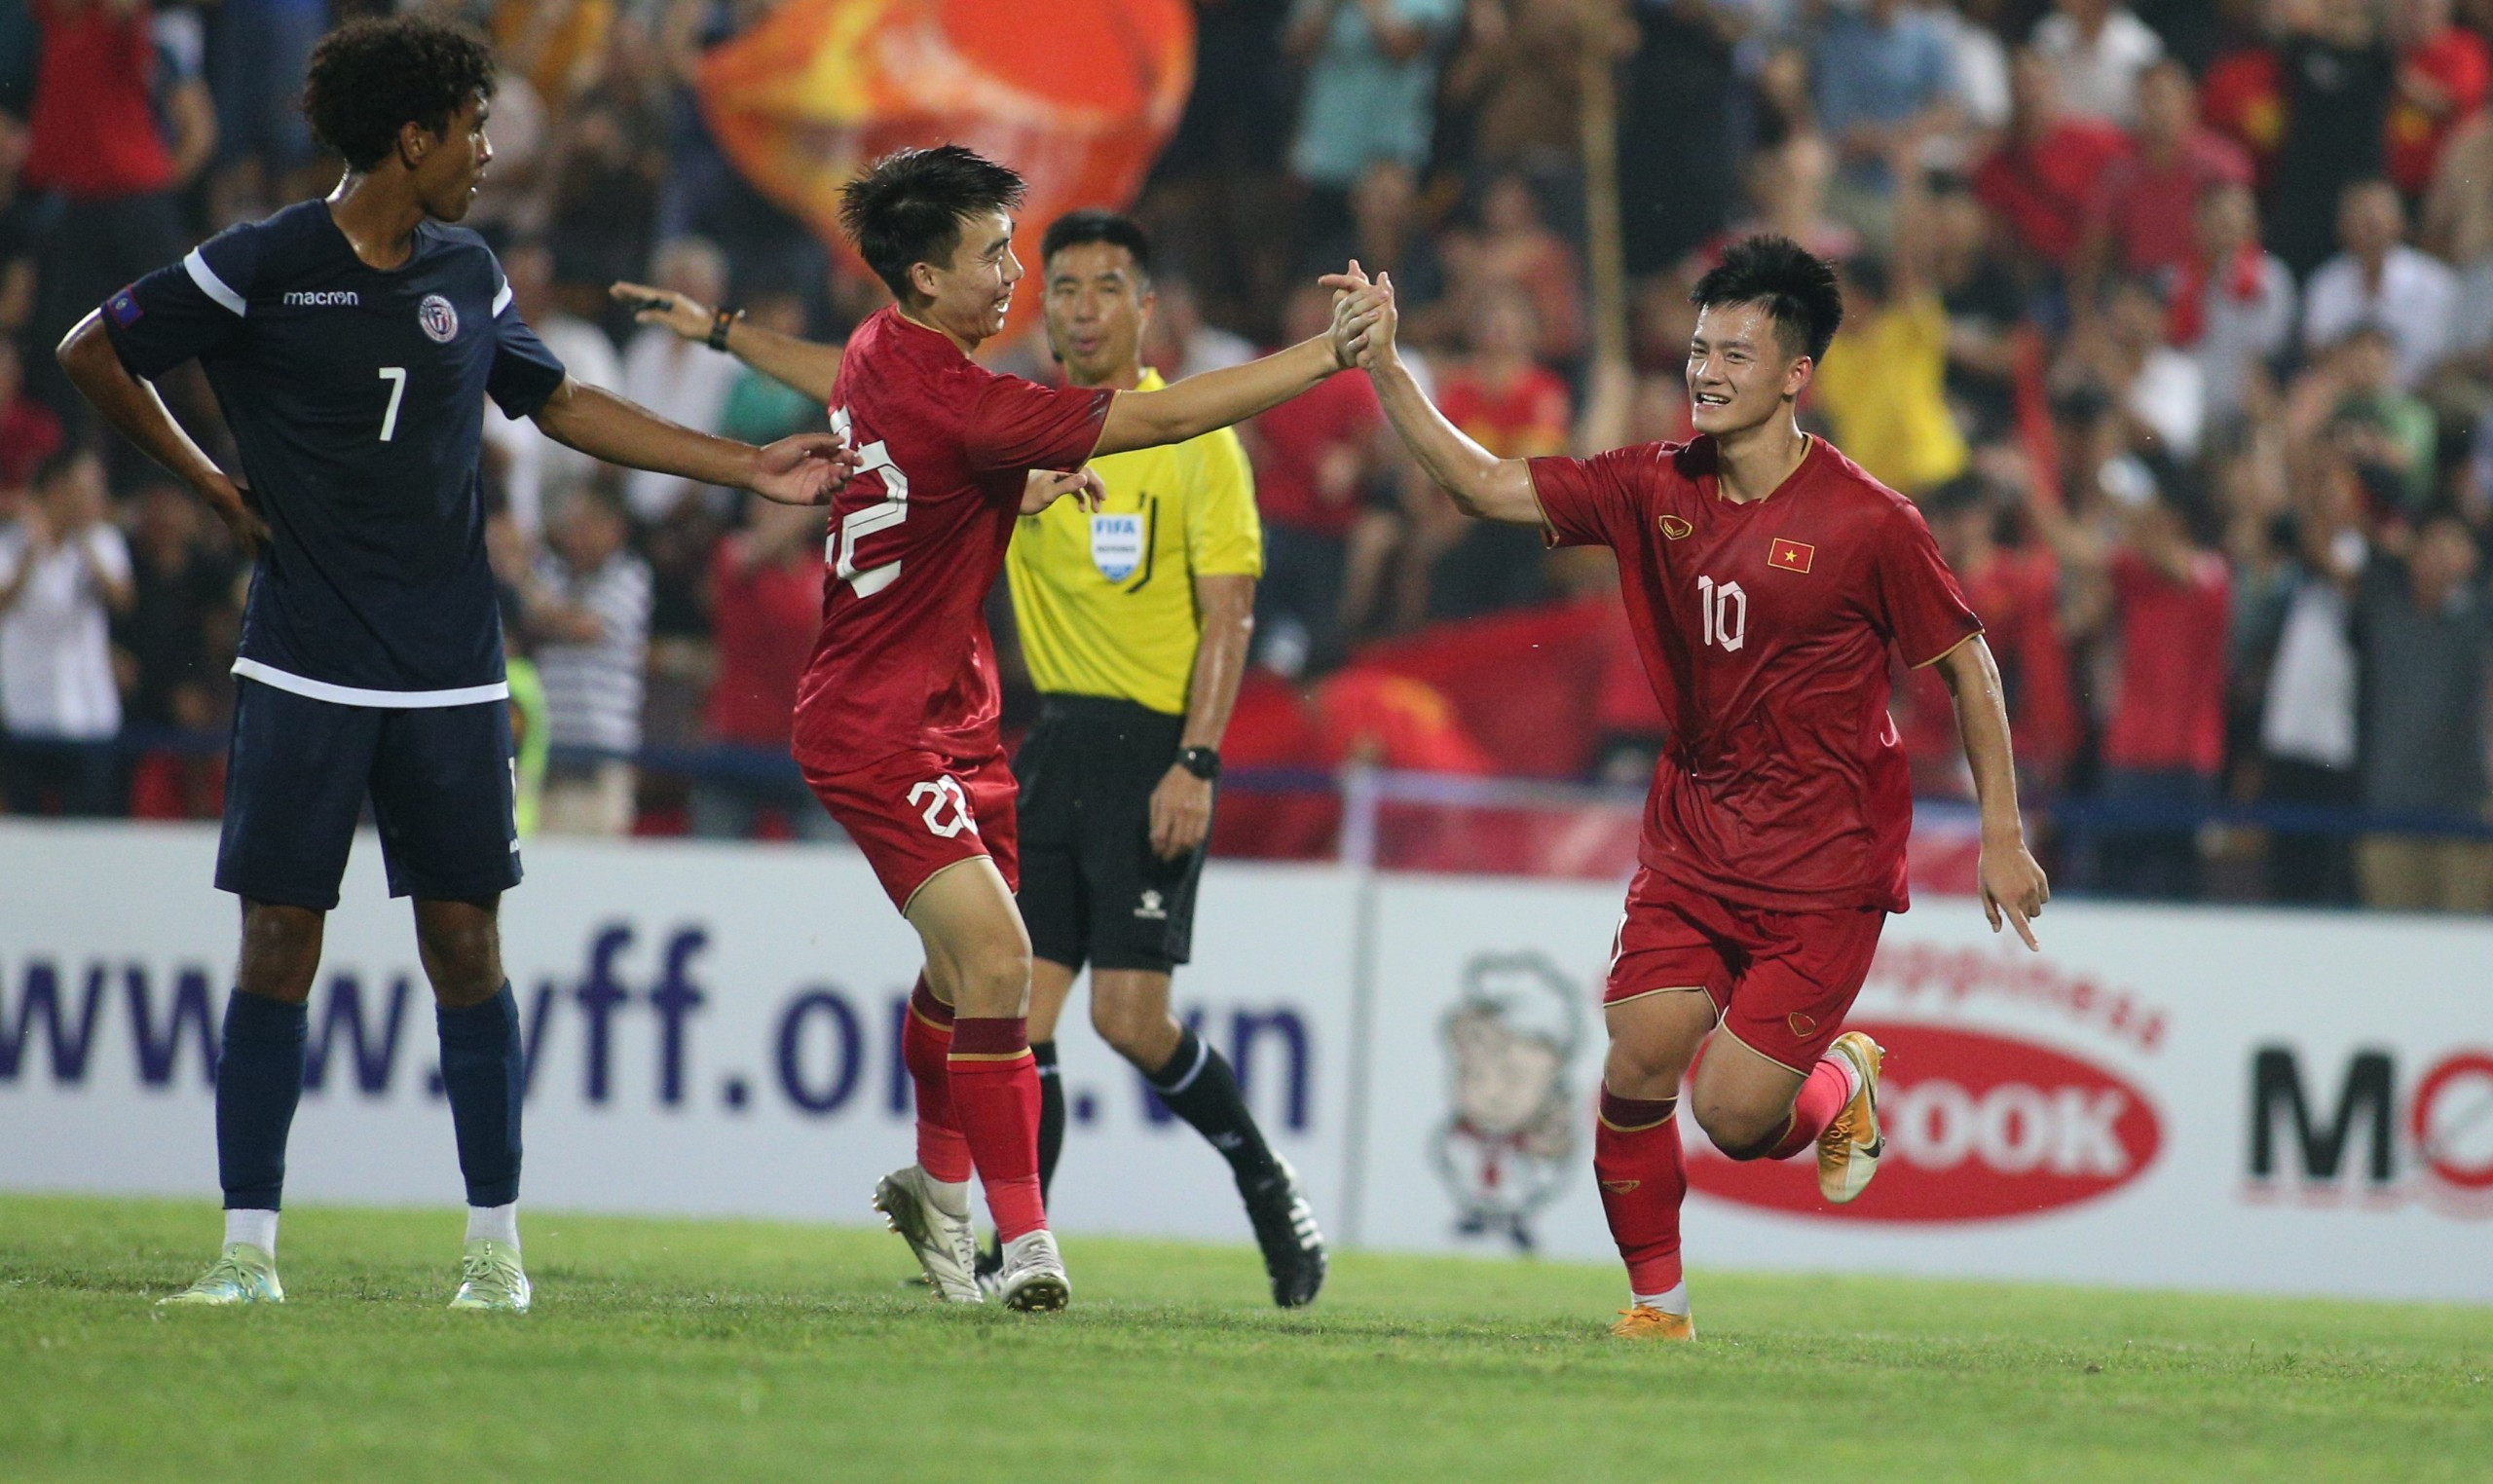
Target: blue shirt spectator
[(1881, 69), (1371, 84)]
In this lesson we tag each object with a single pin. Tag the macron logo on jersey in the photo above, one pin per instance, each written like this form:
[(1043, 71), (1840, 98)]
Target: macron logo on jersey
[(323, 298)]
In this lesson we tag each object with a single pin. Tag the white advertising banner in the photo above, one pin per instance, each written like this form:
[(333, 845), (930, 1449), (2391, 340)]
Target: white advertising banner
[(2221, 1100), (712, 1029)]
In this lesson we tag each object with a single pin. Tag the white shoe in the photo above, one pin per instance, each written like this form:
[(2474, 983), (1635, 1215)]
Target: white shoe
[(1033, 1279), (944, 1243)]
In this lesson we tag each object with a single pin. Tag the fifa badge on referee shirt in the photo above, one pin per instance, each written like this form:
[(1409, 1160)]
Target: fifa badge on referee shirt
[(1116, 545)]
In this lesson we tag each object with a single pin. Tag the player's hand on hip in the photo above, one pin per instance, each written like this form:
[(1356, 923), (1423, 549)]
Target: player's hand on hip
[(679, 313), (806, 469), (234, 504), (2014, 888), (1042, 487), (1180, 813)]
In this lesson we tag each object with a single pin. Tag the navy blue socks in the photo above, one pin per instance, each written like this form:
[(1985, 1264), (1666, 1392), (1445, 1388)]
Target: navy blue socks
[(259, 1079), (480, 1070)]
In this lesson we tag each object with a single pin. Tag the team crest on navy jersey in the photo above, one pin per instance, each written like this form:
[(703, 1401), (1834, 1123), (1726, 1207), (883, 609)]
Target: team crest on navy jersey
[(440, 319)]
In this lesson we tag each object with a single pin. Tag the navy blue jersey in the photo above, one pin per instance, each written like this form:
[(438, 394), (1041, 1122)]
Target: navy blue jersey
[(357, 399)]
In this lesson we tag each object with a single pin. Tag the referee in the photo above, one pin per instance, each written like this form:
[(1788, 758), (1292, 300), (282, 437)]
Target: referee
[(1135, 620)]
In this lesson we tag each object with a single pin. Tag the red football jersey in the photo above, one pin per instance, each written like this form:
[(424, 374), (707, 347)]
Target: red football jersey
[(1764, 629), (903, 661)]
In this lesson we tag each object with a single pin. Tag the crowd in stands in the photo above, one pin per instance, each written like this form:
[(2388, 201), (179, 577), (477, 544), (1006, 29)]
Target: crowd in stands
[(2176, 322)]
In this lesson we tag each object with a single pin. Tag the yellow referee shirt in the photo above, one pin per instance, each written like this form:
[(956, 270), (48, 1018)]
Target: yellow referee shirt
[(1105, 598)]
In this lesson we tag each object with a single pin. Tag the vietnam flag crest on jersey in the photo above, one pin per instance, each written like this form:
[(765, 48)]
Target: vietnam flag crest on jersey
[(1790, 555)]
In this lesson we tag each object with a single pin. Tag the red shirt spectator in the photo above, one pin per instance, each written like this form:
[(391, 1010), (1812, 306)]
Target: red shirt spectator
[(2442, 79), (2146, 204), (1524, 416), (2017, 596), (2244, 98), (93, 123), (29, 432), (1310, 453), (765, 606), (2169, 713), (2041, 187)]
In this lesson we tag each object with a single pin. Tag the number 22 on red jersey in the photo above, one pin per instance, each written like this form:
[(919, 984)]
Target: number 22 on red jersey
[(840, 548)]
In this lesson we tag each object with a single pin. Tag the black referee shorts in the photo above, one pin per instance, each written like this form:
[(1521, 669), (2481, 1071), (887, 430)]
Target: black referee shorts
[(1093, 889)]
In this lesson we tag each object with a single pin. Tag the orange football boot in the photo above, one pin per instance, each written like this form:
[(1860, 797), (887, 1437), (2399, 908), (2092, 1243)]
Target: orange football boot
[(1848, 1151), (1646, 1323)]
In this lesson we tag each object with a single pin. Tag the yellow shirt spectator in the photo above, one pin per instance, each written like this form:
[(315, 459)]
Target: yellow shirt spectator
[(1883, 386)]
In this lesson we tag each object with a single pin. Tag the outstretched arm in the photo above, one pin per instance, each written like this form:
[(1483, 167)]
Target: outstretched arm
[(804, 365), (2012, 884), (131, 406), (1197, 406), (1484, 486), (806, 469)]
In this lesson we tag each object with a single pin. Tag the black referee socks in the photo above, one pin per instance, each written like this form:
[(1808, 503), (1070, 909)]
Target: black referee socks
[(1198, 1086)]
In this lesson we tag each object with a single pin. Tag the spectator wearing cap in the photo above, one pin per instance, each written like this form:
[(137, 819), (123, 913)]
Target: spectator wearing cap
[(2425, 634), (64, 570), (2377, 278)]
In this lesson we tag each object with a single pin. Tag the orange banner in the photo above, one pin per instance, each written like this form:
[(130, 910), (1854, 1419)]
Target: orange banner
[(1078, 96)]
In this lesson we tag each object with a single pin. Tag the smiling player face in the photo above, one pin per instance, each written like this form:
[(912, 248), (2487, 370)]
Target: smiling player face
[(970, 296), (1097, 304), (453, 166), (1740, 373)]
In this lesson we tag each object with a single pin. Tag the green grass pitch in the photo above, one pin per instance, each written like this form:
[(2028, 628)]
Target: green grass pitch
[(685, 1351)]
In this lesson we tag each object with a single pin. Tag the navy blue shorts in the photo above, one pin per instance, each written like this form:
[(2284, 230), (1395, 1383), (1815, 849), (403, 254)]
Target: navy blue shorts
[(439, 779)]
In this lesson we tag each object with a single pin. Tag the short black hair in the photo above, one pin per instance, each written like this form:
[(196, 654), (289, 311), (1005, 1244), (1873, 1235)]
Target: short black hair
[(1093, 224), (369, 77), (1796, 289), (908, 207)]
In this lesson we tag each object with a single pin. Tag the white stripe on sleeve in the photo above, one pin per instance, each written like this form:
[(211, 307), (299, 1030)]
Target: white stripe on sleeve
[(212, 285)]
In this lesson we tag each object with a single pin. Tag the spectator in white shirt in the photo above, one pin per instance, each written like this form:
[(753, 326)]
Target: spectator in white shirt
[(2379, 279), (536, 470), (63, 571), (2098, 50), (678, 379), (587, 606), (2240, 310)]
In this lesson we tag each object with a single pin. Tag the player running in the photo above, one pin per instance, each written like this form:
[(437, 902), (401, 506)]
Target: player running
[(1766, 578), (1135, 621), (896, 716), (351, 343)]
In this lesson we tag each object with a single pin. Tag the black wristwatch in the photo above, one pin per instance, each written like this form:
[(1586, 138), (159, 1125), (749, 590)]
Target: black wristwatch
[(1202, 761), (723, 320)]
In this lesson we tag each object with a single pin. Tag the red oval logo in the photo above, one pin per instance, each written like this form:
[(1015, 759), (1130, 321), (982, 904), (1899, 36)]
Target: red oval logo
[(1978, 1127)]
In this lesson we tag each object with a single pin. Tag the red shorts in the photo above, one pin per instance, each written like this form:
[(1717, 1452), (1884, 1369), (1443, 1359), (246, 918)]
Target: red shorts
[(916, 813), (1781, 981)]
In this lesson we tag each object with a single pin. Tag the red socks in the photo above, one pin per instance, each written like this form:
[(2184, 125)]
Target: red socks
[(995, 1092), (1823, 1095), (925, 1044), (1644, 1178)]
